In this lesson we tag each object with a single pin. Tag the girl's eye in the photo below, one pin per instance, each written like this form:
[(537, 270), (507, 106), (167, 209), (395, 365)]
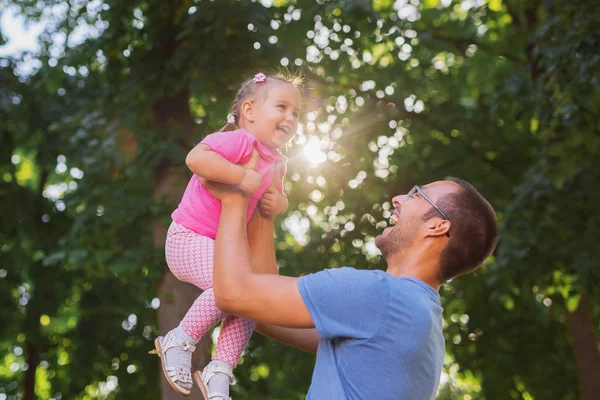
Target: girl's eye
[(282, 106)]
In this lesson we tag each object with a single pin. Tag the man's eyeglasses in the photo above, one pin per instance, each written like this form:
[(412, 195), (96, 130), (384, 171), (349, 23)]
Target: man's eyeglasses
[(417, 189)]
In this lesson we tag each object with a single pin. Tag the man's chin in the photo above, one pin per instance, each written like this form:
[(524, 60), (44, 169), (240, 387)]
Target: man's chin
[(380, 243), (388, 244)]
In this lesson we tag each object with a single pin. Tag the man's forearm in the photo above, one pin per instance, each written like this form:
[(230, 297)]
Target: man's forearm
[(262, 244), (232, 255), (303, 339), (262, 249), (267, 298)]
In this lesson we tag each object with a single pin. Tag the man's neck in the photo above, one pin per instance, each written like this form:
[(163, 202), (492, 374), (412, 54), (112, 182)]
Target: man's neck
[(415, 263)]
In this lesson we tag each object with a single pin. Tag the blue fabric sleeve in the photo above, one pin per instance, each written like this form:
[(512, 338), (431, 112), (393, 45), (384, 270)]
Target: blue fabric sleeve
[(345, 302)]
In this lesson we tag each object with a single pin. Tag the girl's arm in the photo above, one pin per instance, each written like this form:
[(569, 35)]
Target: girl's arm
[(207, 164)]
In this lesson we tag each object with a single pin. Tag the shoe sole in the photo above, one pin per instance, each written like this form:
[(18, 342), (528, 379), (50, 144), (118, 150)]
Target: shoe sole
[(200, 383), (179, 389)]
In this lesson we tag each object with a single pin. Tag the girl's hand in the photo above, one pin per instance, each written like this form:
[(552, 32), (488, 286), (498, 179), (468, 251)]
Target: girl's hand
[(273, 203)]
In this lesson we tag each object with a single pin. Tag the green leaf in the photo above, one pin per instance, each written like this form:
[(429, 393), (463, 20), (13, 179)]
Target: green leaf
[(54, 258), (573, 303)]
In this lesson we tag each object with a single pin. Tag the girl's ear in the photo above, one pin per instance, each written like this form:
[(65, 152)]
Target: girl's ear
[(247, 110)]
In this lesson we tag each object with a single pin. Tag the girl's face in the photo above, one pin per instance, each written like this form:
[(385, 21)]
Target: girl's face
[(274, 115)]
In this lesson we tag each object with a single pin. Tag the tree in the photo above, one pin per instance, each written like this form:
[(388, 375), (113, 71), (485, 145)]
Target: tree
[(499, 93)]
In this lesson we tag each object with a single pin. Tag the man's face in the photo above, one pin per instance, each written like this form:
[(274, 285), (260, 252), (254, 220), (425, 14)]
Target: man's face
[(407, 222)]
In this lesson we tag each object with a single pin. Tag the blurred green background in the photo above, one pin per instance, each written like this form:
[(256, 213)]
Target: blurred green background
[(100, 101)]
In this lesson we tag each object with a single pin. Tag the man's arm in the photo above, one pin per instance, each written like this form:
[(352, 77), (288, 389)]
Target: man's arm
[(260, 238), (303, 339), (265, 298)]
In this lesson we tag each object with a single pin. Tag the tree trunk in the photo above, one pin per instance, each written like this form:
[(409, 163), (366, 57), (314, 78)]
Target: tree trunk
[(585, 349), (33, 360), (171, 117)]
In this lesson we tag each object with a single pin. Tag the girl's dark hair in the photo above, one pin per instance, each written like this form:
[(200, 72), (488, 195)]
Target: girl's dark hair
[(250, 88)]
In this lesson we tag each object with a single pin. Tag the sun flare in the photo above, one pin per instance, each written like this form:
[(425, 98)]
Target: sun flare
[(312, 151)]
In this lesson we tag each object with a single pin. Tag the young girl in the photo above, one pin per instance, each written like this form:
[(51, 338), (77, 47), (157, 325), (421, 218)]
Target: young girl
[(266, 112)]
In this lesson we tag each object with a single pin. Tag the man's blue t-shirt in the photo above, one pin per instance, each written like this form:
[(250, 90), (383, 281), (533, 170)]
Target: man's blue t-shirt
[(381, 336)]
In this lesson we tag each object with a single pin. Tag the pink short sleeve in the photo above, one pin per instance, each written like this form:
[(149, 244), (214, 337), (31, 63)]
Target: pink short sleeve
[(234, 146)]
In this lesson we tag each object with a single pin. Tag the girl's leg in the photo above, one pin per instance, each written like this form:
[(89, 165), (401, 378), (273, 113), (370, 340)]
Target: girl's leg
[(233, 338), (190, 258), (179, 343), (218, 374), (201, 316)]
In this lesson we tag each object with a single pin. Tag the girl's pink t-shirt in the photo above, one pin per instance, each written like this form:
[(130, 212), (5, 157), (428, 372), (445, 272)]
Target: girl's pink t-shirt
[(198, 209)]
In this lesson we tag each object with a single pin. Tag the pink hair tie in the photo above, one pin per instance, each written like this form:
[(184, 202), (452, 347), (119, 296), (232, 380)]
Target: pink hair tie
[(260, 78)]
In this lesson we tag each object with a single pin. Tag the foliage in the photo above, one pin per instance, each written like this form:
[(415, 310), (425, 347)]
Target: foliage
[(502, 94)]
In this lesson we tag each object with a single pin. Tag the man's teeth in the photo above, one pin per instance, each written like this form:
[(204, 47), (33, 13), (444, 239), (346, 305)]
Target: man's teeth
[(394, 219)]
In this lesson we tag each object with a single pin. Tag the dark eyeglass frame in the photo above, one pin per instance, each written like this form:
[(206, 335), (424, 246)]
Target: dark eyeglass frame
[(417, 189)]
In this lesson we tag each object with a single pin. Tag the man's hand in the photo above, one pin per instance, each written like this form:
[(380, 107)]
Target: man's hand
[(251, 180), (227, 193)]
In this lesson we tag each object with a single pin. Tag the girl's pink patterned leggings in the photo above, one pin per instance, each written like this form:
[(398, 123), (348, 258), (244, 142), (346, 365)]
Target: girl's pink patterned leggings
[(190, 258)]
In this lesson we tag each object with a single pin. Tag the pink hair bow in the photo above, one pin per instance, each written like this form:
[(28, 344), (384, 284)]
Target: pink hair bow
[(260, 78)]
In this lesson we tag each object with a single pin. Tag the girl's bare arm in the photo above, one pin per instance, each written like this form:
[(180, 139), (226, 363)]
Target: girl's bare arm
[(207, 164)]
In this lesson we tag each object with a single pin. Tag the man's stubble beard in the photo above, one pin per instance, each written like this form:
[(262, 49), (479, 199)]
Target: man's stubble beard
[(399, 239)]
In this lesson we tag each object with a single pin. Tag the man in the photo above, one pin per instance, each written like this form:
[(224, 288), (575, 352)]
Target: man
[(377, 335)]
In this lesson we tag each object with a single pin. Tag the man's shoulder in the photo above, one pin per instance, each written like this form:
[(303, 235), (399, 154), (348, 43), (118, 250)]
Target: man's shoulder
[(364, 275), (360, 271), (415, 297), (347, 278), (414, 285)]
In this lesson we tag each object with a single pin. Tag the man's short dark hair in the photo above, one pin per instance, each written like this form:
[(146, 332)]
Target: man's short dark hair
[(474, 231)]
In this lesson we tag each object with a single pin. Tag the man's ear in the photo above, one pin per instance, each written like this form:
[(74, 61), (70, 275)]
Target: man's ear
[(247, 110), (438, 227)]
